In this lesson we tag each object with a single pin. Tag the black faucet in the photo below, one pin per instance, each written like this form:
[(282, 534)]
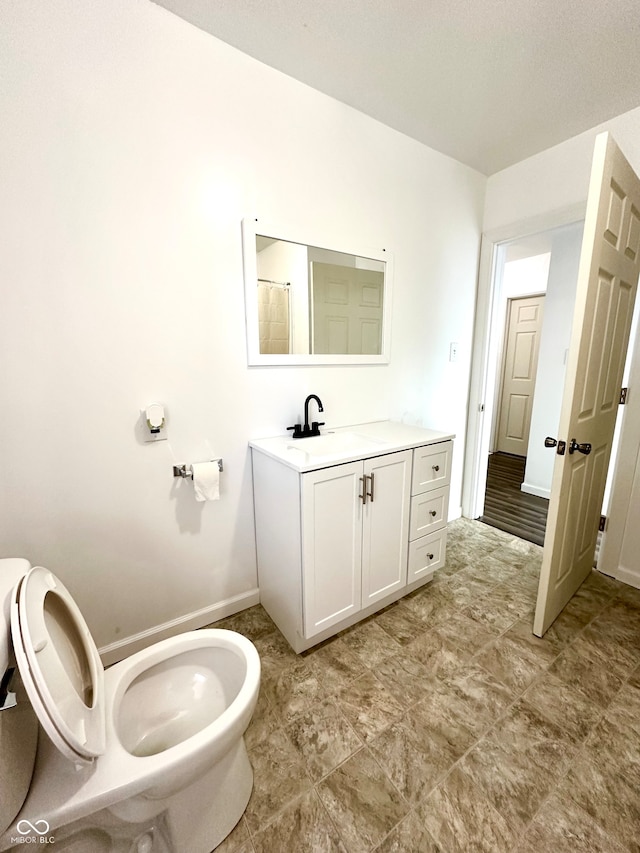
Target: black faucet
[(307, 431)]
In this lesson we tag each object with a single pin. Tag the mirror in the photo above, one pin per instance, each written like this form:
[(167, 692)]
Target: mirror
[(311, 301)]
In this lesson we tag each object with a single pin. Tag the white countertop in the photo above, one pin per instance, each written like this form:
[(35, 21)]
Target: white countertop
[(346, 444)]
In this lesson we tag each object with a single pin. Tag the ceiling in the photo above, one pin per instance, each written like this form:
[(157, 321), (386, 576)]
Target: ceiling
[(488, 82)]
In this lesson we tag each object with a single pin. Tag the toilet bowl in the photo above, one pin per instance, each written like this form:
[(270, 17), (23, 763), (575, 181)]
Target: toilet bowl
[(156, 739)]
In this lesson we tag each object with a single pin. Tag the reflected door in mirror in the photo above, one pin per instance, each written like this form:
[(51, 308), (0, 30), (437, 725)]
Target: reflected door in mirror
[(346, 309)]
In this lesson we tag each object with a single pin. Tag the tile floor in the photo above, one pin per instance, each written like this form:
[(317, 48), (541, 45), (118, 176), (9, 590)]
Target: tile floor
[(442, 724)]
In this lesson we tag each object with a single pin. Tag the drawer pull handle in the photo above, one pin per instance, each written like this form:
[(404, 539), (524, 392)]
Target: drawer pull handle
[(433, 512), (436, 467), (430, 556), (363, 496), (370, 478)]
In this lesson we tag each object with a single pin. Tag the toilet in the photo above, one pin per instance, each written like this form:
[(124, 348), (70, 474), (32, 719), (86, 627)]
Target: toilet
[(147, 756)]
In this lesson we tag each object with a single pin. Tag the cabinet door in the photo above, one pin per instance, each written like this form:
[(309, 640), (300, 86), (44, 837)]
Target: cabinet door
[(331, 545), (385, 527)]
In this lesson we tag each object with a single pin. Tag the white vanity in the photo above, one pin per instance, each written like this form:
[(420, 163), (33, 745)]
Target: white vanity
[(347, 522)]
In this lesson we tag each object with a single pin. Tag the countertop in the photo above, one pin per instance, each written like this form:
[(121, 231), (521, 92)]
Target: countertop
[(346, 444)]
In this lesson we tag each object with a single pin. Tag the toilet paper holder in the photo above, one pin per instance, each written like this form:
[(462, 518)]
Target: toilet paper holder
[(183, 471)]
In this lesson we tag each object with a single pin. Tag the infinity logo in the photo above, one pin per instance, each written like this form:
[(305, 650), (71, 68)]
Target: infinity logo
[(40, 827)]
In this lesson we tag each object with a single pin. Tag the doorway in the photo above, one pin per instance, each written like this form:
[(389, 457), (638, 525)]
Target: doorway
[(506, 505), (508, 484)]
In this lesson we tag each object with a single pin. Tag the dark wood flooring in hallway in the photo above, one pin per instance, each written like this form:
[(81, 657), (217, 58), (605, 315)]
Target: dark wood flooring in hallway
[(506, 506)]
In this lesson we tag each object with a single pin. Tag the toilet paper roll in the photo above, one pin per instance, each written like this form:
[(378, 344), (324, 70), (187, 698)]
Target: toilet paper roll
[(206, 480)]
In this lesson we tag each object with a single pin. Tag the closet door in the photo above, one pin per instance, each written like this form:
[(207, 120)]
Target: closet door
[(524, 328)]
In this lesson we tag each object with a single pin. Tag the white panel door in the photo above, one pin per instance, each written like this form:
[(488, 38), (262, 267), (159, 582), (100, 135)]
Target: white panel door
[(385, 525), (524, 326), (607, 283), (332, 545)]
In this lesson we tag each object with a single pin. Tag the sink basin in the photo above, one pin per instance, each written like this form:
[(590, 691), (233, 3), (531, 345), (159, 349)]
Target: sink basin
[(332, 443)]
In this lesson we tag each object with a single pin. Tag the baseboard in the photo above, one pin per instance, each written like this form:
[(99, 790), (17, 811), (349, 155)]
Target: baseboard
[(627, 576), (114, 652), (535, 490)]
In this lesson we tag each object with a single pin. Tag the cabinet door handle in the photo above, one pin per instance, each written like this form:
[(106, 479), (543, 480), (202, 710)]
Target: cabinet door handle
[(370, 477), (436, 467), (363, 496), (433, 512), (430, 556)]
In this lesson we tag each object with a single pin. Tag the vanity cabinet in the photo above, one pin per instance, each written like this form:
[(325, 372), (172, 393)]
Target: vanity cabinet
[(339, 541)]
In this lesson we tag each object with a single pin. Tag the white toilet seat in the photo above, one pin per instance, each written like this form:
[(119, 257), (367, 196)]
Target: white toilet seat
[(60, 665)]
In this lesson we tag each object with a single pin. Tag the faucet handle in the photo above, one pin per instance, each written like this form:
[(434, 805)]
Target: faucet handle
[(315, 427), (297, 430)]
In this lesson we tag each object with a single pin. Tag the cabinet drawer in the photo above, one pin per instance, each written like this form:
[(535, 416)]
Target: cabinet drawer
[(431, 467), (427, 554), (428, 512)]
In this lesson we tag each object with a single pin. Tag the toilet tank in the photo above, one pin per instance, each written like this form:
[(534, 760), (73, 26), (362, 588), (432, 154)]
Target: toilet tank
[(18, 722)]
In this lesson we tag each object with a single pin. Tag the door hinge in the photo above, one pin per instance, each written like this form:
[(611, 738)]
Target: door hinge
[(623, 396), (603, 522)]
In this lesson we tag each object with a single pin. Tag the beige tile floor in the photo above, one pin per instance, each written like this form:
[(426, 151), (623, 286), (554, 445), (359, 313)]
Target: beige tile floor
[(442, 724)]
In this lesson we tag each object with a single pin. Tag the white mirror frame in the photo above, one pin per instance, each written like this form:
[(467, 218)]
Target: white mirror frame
[(251, 227)]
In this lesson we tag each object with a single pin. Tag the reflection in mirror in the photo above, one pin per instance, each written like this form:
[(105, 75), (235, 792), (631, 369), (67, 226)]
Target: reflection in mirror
[(313, 300), (309, 304)]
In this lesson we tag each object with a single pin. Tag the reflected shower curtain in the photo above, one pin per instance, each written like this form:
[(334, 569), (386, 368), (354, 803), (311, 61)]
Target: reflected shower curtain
[(274, 317)]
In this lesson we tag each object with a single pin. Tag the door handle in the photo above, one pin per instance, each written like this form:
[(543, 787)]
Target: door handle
[(551, 442), (370, 477), (581, 448)]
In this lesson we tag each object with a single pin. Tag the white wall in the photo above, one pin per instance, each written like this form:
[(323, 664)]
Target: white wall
[(131, 146), (620, 548), (629, 566), (554, 343), (525, 277), (557, 178)]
